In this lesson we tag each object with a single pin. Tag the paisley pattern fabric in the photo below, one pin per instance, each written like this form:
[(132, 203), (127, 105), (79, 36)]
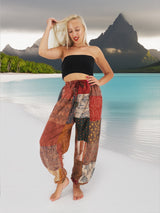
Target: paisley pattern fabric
[(78, 103)]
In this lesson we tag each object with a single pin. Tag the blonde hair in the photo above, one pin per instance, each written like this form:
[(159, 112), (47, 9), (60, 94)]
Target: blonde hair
[(60, 32)]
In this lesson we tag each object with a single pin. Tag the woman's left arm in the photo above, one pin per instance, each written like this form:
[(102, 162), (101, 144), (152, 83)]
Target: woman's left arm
[(104, 66)]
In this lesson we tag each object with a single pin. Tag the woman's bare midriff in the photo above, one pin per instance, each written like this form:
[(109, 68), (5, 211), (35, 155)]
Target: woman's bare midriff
[(75, 76)]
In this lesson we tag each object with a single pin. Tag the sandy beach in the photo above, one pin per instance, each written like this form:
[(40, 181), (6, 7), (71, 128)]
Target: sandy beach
[(6, 77), (120, 184)]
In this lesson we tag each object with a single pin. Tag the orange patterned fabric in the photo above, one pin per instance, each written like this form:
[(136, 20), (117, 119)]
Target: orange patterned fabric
[(80, 104)]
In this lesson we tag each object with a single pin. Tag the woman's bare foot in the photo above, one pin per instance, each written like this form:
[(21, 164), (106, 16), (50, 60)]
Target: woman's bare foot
[(59, 189), (77, 192)]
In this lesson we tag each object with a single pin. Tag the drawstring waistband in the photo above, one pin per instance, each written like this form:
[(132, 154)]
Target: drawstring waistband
[(77, 84)]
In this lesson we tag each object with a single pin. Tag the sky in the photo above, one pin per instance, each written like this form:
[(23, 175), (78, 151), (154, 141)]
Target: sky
[(23, 22)]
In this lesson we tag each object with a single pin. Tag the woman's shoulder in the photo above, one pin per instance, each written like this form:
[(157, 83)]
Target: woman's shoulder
[(95, 52), (95, 49)]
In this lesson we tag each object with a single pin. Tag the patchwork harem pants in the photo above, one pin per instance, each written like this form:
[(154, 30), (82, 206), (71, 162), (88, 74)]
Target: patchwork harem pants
[(79, 103)]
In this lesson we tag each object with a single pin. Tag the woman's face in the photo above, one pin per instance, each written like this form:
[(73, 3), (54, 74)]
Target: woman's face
[(76, 30)]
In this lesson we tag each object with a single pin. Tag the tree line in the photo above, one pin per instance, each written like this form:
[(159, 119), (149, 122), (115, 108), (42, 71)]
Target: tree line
[(15, 64)]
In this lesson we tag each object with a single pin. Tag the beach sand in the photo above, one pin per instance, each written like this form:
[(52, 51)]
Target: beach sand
[(119, 184), (6, 77)]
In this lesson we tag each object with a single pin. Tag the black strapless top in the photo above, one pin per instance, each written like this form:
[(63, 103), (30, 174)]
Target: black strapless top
[(77, 64)]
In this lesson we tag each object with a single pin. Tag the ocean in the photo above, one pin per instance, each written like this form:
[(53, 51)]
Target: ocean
[(130, 113)]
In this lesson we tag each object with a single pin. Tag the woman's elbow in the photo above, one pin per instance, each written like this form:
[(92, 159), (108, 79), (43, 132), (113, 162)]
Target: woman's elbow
[(40, 52), (111, 73)]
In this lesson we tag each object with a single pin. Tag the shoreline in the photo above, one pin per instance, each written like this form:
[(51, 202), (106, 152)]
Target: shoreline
[(10, 76), (7, 77)]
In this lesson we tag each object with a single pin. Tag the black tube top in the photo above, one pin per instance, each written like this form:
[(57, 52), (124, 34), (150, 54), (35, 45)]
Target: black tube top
[(77, 64)]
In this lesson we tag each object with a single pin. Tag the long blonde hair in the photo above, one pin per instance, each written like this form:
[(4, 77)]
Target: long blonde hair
[(60, 32)]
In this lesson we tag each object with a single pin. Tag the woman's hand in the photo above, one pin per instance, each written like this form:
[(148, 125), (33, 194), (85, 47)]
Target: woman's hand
[(51, 22), (92, 80)]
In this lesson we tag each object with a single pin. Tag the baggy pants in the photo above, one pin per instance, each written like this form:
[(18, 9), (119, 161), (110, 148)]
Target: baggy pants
[(79, 103)]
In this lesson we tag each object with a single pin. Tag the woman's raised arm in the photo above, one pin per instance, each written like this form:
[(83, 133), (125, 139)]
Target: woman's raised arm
[(52, 53)]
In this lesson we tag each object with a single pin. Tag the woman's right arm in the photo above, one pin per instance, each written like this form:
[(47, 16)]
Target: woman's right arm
[(52, 53)]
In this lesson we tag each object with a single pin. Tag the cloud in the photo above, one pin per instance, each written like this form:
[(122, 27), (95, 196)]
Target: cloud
[(32, 15)]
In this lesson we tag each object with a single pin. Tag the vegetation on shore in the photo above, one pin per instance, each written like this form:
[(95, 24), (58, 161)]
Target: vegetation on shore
[(149, 59), (152, 68), (16, 64)]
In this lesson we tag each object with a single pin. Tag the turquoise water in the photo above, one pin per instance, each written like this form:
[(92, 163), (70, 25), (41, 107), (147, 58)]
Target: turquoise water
[(130, 114)]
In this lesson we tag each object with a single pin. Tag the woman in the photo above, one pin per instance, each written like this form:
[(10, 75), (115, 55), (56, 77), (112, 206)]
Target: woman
[(79, 102)]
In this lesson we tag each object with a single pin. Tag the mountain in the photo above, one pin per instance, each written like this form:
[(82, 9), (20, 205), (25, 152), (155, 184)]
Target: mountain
[(31, 54), (152, 68), (120, 46), (154, 64), (118, 43), (120, 35), (28, 51), (155, 53)]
